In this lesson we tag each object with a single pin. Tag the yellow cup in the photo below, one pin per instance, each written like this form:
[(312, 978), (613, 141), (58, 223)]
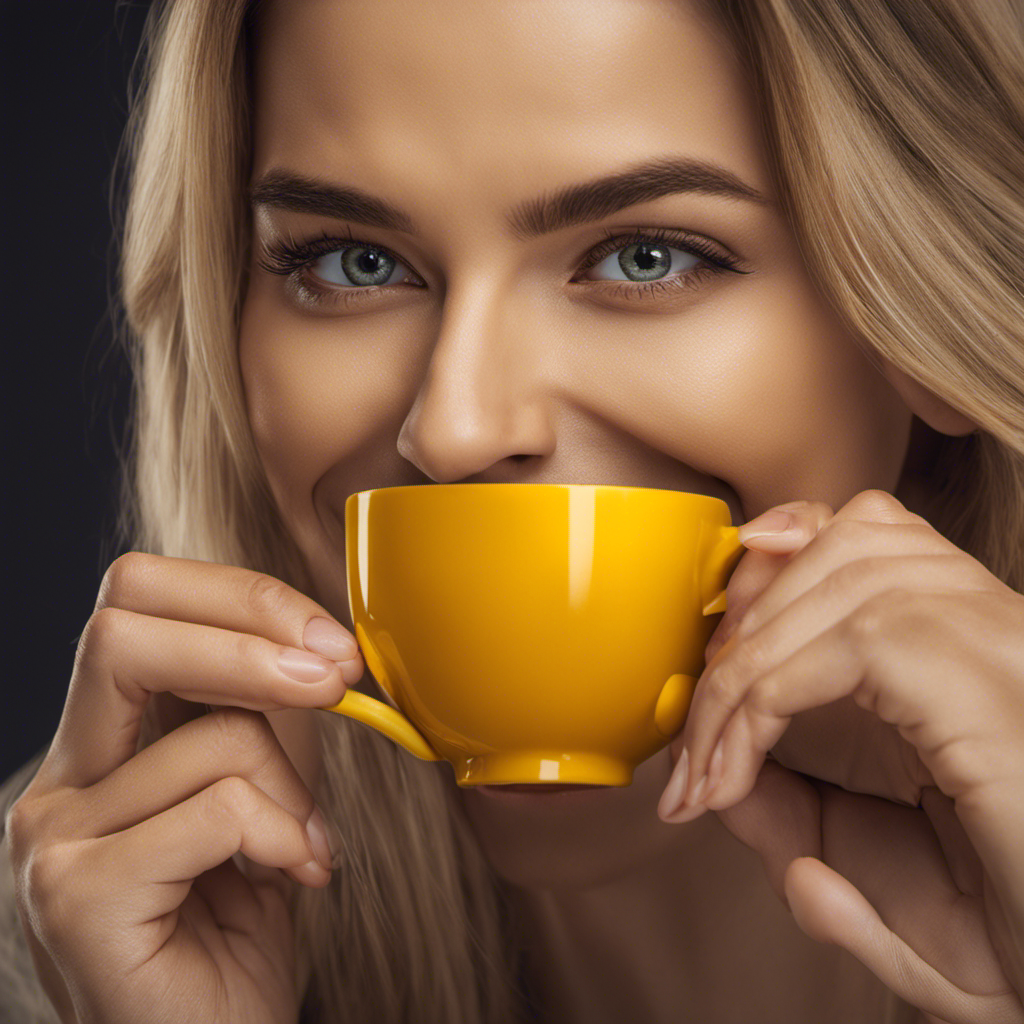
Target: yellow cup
[(534, 632)]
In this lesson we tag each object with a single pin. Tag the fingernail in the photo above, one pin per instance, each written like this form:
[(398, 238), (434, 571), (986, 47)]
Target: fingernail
[(773, 522), (330, 640), (303, 667), (676, 788), (312, 873), (715, 769), (685, 814), (698, 792), (317, 832)]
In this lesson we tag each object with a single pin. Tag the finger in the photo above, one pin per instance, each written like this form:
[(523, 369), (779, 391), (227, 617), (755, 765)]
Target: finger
[(92, 889), (755, 571), (772, 539), (227, 597), (830, 909), (818, 649), (147, 870), (125, 656), (892, 856), (844, 541), (784, 529), (228, 742)]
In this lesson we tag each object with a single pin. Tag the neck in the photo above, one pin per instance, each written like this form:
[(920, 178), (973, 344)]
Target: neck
[(697, 935)]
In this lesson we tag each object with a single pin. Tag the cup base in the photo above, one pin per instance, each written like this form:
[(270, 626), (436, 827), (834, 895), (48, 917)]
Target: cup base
[(541, 767)]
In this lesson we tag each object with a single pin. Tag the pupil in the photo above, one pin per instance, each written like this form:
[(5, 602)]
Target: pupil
[(645, 261), (646, 257), (366, 266)]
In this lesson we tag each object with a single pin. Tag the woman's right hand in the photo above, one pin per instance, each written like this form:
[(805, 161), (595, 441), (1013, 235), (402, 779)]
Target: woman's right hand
[(128, 893)]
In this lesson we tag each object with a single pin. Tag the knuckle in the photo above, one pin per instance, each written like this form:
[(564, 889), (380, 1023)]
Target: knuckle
[(926, 539), (22, 824), (747, 660), (249, 649), (878, 505), (47, 879), (269, 598), (763, 696), (104, 633), (878, 618), (730, 680), (123, 578), (231, 800), (847, 578)]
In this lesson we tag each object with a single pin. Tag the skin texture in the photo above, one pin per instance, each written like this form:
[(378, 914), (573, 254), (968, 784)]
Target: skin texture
[(879, 665)]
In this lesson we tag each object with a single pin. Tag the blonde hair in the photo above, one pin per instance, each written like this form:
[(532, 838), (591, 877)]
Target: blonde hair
[(896, 131), (896, 135)]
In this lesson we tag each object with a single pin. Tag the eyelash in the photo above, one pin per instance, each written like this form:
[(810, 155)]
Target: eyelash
[(294, 258)]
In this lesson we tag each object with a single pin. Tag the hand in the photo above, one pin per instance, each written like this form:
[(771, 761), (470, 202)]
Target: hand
[(132, 903), (876, 617)]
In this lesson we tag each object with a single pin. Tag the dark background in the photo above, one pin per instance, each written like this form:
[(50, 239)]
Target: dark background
[(66, 67)]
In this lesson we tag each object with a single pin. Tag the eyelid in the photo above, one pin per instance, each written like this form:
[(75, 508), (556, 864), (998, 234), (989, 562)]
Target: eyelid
[(291, 259), (283, 258), (683, 241)]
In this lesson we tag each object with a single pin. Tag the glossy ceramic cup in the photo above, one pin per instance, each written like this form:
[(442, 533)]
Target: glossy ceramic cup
[(534, 632)]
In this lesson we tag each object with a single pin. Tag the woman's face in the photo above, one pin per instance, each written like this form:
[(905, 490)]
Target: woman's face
[(564, 264)]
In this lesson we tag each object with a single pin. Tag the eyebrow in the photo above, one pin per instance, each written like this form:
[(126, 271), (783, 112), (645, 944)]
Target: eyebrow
[(574, 204)]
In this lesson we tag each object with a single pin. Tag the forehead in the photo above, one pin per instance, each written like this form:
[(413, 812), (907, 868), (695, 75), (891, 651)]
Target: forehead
[(489, 100)]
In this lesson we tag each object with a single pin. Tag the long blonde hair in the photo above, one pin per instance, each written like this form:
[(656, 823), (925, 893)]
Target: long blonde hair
[(896, 135), (896, 131)]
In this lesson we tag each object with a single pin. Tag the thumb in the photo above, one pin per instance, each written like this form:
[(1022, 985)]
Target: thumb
[(830, 909)]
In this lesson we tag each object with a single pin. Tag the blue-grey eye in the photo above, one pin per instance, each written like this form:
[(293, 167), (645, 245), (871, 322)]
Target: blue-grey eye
[(359, 266), (644, 261)]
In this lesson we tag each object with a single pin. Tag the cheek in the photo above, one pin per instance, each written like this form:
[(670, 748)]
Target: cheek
[(314, 397), (765, 390)]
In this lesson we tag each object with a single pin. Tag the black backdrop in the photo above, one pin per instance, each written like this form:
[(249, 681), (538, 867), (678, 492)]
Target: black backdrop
[(66, 65)]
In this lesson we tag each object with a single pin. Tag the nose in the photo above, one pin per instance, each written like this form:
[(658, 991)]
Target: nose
[(483, 398)]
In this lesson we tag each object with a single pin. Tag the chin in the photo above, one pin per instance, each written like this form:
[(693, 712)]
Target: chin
[(573, 839)]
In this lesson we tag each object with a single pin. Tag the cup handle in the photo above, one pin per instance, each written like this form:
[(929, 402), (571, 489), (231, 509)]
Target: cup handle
[(387, 721), (720, 560)]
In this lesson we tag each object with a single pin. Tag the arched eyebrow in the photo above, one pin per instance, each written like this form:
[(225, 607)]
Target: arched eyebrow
[(574, 204), (594, 200)]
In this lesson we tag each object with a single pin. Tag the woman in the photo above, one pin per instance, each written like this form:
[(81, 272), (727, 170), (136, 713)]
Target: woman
[(769, 252)]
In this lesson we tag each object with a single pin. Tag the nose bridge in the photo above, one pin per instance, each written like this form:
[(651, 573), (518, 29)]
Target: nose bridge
[(482, 397)]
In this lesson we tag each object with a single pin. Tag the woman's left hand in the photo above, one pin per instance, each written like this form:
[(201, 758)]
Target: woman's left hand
[(870, 624)]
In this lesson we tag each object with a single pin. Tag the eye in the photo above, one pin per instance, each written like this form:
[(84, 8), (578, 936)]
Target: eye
[(641, 261), (359, 266)]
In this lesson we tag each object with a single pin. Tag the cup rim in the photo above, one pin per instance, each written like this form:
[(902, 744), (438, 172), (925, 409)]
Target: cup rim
[(547, 486)]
